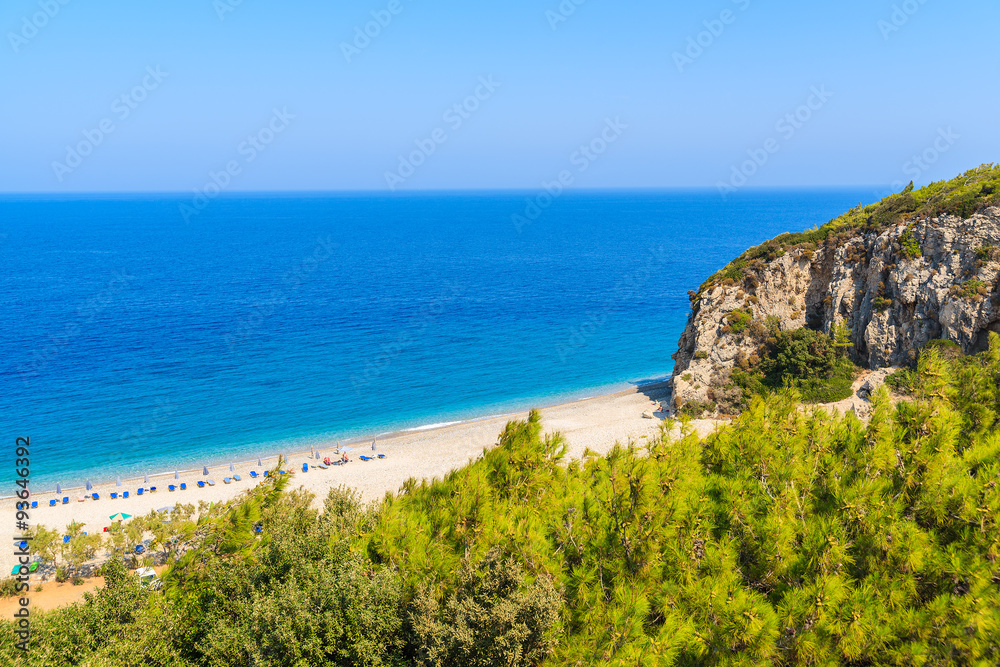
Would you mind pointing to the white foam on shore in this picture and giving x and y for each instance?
(279, 447)
(431, 427)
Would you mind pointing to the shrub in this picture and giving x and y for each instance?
(8, 587)
(701, 355)
(987, 253)
(909, 246)
(811, 361)
(881, 304)
(739, 320)
(970, 289)
(493, 617)
(61, 574)
(902, 381)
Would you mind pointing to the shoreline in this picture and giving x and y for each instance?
(594, 423)
(213, 463)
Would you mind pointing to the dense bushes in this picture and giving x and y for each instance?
(790, 537)
(811, 361)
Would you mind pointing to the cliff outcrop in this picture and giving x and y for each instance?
(888, 289)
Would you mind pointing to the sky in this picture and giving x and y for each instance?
(403, 95)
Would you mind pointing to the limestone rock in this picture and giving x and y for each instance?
(892, 304)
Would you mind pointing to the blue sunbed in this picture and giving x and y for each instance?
(305, 467)
(34, 504)
(201, 484)
(184, 486)
(253, 474)
(114, 494)
(381, 456)
(65, 500)
(95, 496)
(237, 478)
(171, 487)
(152, 489)
(52, 503)
(125, 494)
(139, 491)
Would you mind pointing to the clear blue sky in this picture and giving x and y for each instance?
(892, 92)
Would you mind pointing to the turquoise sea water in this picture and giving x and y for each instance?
(136, 342)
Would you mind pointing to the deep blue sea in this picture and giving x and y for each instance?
(133, 341)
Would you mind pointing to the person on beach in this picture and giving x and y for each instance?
(343, 457)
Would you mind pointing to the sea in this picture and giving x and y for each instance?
(138, 336)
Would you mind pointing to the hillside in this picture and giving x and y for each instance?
(881, 282)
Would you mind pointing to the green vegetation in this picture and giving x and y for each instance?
(987, 253)
(970, 289)
(738, 321)
(909, 246)
(811, 361)
(963, 196)
(790, 537)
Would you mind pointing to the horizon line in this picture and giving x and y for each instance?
(427, 191)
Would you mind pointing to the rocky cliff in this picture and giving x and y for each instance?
(894, 288)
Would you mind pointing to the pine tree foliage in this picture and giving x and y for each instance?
(790, 537)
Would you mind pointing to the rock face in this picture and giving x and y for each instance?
(895, 291)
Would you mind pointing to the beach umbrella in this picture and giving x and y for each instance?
(232, 468)
(120, 516)
(373, 444)
(145, 478)
(164, 509)
(204, 471)
(89, 485)
(58, 487)
(177, 475)
(259, 462)
(119, 481)
(347, 449)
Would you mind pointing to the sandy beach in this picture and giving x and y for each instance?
(594, 423)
